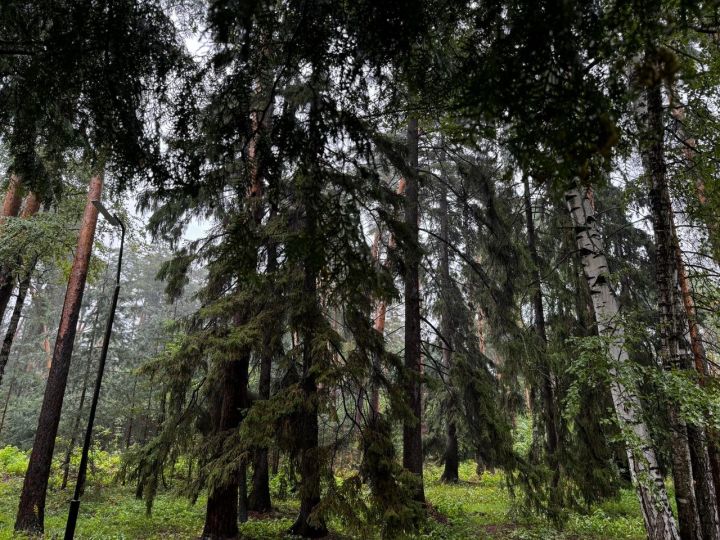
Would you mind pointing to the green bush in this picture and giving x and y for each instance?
(522, 435)
(13, 461)
(103, 467)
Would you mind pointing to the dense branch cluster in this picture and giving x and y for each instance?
(389, 233)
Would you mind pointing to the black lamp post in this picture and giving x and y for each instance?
(75, 502)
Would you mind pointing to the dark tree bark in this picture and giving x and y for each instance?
(309, 438)
(451, 458)
(259, 499)
(381, 313)
(32, 205)
(31, 510)
(692, 470)
(412, 429)
(309, 322)
(131, 419)
(14, 322)
(227, 499)
(7, 402)
(546, 387)
(221, 516)
(696, 343)
(242, 494)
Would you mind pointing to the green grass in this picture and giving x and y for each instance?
(481, 507)
(476, 507)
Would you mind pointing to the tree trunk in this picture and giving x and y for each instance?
(650, 486)
(221, 515)
(242, 494)
(7, 402)
(412, 428)
(32, 205)
(13, 200)
(694, 486)
(379, 326)
(381, 313)
(131, 414)
(696, 344)
(708, 213)
(447, 329)
(308, 443)
(259, 500)
(10, 208)
(310, 320)
(546, 384)
(14, 321)
(78, 414)
(31, 510)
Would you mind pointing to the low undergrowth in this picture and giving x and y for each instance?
(476, 507)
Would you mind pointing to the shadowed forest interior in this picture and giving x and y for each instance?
(367, 269)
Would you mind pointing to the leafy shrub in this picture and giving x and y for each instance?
(103, 467)
(522, 435)
(13, 461)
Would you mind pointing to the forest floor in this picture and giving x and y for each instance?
(475, 508)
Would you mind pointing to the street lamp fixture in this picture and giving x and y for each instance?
(112, 219)
(75, 502)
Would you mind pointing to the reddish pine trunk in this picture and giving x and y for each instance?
(379, 327)
(32, 205)
(11, 207)
(412, 428)
(12, 201)
(31, 511)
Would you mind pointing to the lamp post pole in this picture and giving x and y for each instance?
(75, 502)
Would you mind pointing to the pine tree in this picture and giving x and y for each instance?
(31, 511)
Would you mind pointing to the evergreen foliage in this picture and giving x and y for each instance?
(557, 216)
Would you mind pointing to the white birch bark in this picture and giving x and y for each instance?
(649, 483)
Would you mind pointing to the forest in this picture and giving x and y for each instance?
(374, 269)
